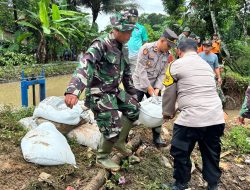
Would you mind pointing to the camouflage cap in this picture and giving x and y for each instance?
(123, 21)
(186, 29)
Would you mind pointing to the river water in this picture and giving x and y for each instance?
(10, 93)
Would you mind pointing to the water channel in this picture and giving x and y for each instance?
(10, 93)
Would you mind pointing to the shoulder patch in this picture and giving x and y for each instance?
(168, 80)
(145, 51)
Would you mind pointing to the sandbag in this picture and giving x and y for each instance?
(151, 112)
(87, 135)
(28, 123)
(54, 109)
(45, 145)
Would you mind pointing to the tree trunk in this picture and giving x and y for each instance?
(15, 14)
(41, 50)
(216, 29)
(244, 24)
(95, 12)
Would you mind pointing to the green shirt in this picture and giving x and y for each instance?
(138, 38)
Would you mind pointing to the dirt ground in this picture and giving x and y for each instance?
(154, 168)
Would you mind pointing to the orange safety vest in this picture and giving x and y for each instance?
(200, 49)
(216, 46)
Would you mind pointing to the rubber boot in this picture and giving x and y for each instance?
(157, 140)
(102, 157)
(121, 145)
(175, 186)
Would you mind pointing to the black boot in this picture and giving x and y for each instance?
(212, 187)
(175, 186)
(157, 140)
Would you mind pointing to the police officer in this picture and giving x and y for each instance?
(102, 68)
(190, 81)
(150, 71)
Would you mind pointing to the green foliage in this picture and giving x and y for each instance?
(109, 6)
(152, 35)
(13, 59)
(12, 73)
(10, 129)
(153, 186)
(241, 57)
(236, 139)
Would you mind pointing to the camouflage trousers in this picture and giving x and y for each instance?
(106, 107)
(220, 93)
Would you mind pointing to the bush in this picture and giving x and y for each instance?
(237, 139)
(241, 58)
(14, 59)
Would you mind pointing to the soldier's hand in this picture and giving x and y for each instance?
(156, 91)
(166, 118)
(220, 81)
(70, 100)
(151, 91)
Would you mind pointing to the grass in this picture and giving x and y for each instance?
(236, 139)
(10, 129)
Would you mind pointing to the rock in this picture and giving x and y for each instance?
(247, 160)
(134, 159)
(248, 179)
(166, 162)
(240, 165)
(242, 178)
(44, 177)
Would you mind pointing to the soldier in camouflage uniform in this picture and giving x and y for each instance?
(103, 67)
(245, 108)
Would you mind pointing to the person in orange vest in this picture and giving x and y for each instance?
(199, 44)
(216, 43)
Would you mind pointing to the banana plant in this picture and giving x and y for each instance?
(52, 23)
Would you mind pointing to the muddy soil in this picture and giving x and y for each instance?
(149, 173)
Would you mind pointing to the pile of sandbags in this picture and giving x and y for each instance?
(51, 117)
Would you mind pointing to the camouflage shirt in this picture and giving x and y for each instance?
(245, 109)
(103, 67)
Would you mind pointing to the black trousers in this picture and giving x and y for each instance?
(183, 143)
